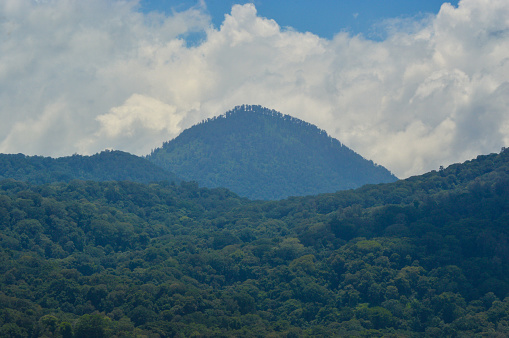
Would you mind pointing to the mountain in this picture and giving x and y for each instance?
(427, 256)
(104, 166)
(262, 154)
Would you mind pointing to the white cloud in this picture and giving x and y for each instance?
(138, 112)
(135, 124)
(81, 76)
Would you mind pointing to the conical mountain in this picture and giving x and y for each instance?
(262, 154)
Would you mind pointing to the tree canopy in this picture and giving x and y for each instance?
(262, 154)
(105, 166)
(426, 256)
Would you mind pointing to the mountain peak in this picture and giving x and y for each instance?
(262, 154)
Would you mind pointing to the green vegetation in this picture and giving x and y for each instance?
(261, 154)
(105, 166)
(426, 256)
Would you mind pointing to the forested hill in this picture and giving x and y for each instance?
(262, 154)
(104, 166)
(423, 257)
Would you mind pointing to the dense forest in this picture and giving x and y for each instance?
(262, 154)
(104, 166)
(425, 256)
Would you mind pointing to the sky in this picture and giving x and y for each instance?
(411, 85)
(324, 18)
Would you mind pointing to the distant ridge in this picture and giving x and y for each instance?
(105, 166)
(262, 154)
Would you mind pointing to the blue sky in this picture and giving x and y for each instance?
(322, 17)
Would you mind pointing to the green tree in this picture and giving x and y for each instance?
(92, 326)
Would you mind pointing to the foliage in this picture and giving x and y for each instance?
(426, 256)
(105, 166)
(262, 154)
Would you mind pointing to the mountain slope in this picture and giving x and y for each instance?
(262, 154)
(425, 256)
(105, 166)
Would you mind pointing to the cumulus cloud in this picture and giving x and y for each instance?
(135, 124)
(81, 76)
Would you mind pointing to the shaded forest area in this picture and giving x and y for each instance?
(105, 166)
(426, 256)
(260, 153)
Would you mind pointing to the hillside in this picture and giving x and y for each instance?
(261, 154)
(425, 256)
(105, 166)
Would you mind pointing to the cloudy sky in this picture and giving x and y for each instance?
(410, 87)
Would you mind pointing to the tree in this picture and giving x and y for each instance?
(91, 326)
